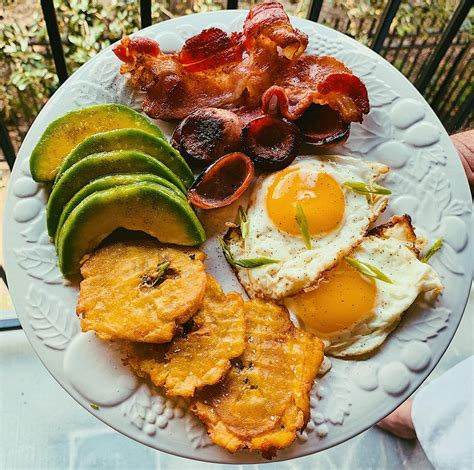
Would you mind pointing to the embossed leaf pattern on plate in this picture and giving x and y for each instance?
(374, 130)
(40, 262)
(359, 63)
(149, 411)
(331, 398)
(435, 154)
(429, 201)
(105, 69)
(458, 207)
(420, 164)
(440, 188)
(380, 93)
(35, 229)
(52, 322)
(426, 324)
(85, 93)
(196, 432)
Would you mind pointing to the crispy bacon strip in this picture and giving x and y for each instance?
(263, 66)
(129, 48)
(318, 80)
(172, 91)
(211, 48)
(270, 22)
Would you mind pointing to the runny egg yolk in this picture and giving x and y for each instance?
(319, 195)
(343, 298)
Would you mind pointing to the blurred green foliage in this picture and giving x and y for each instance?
(27, 70)
(411, 16)
(420, 17)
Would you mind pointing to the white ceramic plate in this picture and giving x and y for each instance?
(427, 182)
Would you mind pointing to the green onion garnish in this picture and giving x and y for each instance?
(244, 222)
(365, 188)
(244, 263)
(160, 270)
(303, 225)
(254, 262)
(432, 250)
(368, 270)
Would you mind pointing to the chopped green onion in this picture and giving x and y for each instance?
(377, 189)
(432, 250)
(160, 270)
(303, 225)
(368, 270)
(254, 262)
(365, 188)
(244, 263)
(94, 406)
(244, 222)
(226, 251)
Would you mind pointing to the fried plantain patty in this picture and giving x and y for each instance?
(264, 398)
(202, 356)
(140, 290)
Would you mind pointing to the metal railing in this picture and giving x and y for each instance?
(429, 71)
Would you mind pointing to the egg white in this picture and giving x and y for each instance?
(394, 251)
(299, 267)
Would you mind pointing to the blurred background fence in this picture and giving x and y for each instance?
(28, 78)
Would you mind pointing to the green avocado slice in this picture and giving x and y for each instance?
(63, 134)
(131, 139)
(95, 166)
(111, 181)
(144, 206)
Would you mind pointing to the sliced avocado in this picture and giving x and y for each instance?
(144, 206)
(111, 181)
(62, 135)
(95, 166)
(131, 139)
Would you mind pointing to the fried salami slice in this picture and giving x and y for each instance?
(140, 290)
(264, 398)
(223, 182)
(322, 126)
(202, 356)
(207, 134)
(271, 142)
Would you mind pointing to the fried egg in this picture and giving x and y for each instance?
(353, 314)
(337, 219)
